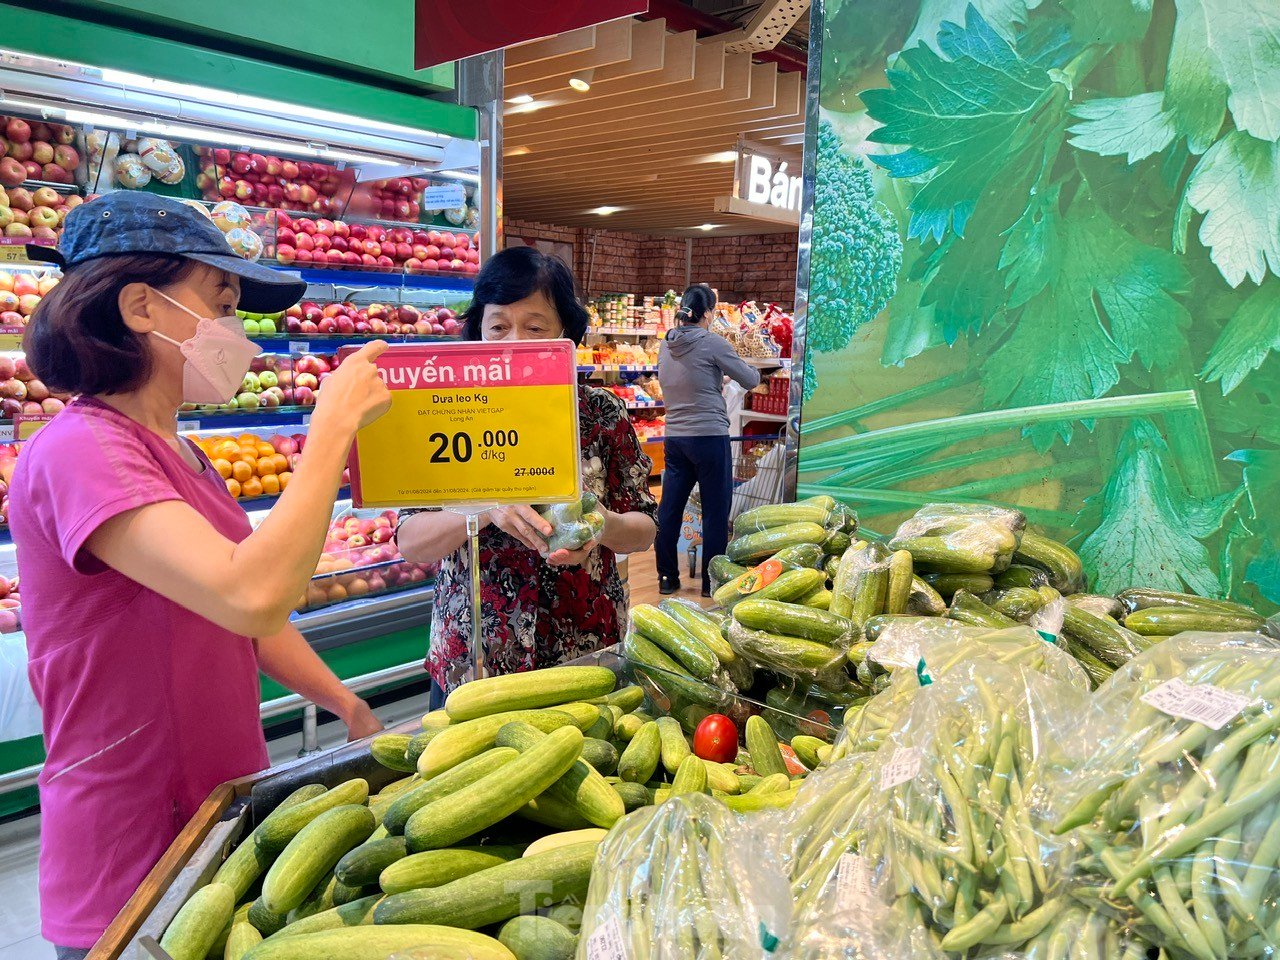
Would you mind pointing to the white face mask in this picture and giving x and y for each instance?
(217, 356)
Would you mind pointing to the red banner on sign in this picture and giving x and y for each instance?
(444, 31)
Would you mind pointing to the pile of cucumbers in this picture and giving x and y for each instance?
(484, 846)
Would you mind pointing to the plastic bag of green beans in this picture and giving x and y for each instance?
(1176, 810)
(953, 831)
(688, 880)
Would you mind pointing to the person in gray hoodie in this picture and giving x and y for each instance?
(693, 363)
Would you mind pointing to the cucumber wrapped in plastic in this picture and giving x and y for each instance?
(574, 524)
(961, 538)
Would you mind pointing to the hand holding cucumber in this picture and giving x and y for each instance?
(523, 523)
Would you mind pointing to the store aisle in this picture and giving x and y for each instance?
(20, 843)
(642, 576)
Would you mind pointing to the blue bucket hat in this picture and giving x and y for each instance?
(132, 222)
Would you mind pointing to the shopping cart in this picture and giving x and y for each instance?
(758, 467)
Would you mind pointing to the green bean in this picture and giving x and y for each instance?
(1188, 930)
(1205, 912)
(984, 923)
(1029, 926)
(931, 845)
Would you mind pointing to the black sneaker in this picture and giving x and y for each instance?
(706, 591)
(668, 586)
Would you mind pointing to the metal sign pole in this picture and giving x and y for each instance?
(477, 627)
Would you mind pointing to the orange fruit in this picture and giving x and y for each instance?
(266, 466)
(225, 449)
(265, 450)
(223, 467)
(248, 438)
(270, 484)
(284, 479)
(252, 487)
(233, 488)
(241, 471)
(281, 462)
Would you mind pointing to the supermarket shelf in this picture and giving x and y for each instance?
(645, 405)
(748, 415)
(298, 343)
(360, 279)
(616, 368)
(365, 618)
(278, 417)
(629, 331)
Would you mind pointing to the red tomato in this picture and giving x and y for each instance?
(716, 739)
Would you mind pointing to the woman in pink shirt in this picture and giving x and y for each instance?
(150, 604)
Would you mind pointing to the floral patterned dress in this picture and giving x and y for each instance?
(536, 615)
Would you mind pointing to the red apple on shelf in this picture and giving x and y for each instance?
(34, 170)
(241, 163)
(285, 254)
(302, 256)
(63, 133)
(41, 152)
(17, 130)
(51, 405)
(221, 155)
(20, 151)
(309, 327)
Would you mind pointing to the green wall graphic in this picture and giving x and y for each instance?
(1045, 271)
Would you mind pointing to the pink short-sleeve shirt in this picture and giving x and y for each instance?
(147, 706)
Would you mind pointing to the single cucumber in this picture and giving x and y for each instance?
(701, 627)
(762, 744)
(344, 894)
(436, 720)
(634, 795)
(317, 901)
(562, 839)
(721, 570)
(626, 728)
(528, 691)
(641, 757)
(601, 754)
(266, 921)
(1018, 603)
(774, 783)
(948, 584)
(779, 515)
(819, 599)
(379, 943)
(791, 620)
(389, 749)
(625, 699)
(966, 608)
(602, 729)
(496, 894)
(354, 913)
(581, 786)
(199, 923)
(247, 862)
(418, 744)
(901, 576)
(314, 852)
(665, 632)
(243, 936)
(1021, 575)
(691, 777)
(720, 776)
(538, 938)
(1095, 669)
(434, 868)
(1139, 598)
(1166, 621)
(556, 814)
(284, 823)
(844, 582)
(806, 749)
(452, 780)
(365, 863)
(473, 737)
(444, 822)
(759, 546)
(674, 746)
(1060, 562)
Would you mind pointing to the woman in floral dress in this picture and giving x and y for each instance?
(536, 612)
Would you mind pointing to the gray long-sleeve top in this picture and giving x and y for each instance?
(692, 364)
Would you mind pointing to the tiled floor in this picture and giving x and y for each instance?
(20, 840)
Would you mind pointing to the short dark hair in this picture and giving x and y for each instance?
(77, 342)
(514, 274)
(695, 303)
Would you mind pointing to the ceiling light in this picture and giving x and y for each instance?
(521, 98)
(519, 151)
(581, 81)
(605, 211)
(724, 156)
(706, 226)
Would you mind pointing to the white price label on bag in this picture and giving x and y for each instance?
(606, 943)
(1202, 702)
(902, 766)
(853, 882)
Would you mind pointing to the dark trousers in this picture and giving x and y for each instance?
(706, 462)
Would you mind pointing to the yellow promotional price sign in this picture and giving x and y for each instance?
(492, 424)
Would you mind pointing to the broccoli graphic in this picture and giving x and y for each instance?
(856, 252)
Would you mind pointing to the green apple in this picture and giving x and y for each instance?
(266, 325)
(251, 327)
(251, 383)
(268, 379)
(247, 401)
